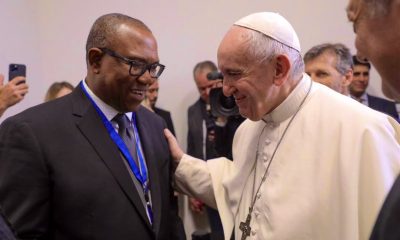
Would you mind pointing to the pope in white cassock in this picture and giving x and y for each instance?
(308, 163)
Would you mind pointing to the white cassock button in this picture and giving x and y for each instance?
(253, 232)
(267, 141)
(258, 195)
(257, 214)
(265, 157)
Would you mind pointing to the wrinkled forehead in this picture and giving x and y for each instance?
(235, 38)
(235, 45)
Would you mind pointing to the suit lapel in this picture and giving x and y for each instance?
(93, 129)
(144, 128)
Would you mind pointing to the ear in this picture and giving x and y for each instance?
(94, 59)
(282, 68)
(347, 78)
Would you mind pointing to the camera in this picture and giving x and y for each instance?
(220, 104)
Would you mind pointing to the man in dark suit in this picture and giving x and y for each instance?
(359, 86)
(93, 164)
(151, 100)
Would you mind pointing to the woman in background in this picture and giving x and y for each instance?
(58, 89)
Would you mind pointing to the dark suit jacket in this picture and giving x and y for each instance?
(195, 130)
(62, 177)
(5, 231)
(167, 118)
(387, 226)
(383, 105)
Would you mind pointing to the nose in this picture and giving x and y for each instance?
(146, 79)
(228, 89)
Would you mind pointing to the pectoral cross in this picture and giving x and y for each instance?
(245, 226)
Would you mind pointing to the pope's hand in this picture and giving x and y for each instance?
(174, 148)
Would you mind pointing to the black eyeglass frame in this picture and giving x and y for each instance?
(145, 67)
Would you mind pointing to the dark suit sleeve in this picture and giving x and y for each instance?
(170, 125)
(24, 190)
(190, 137)
(5, 231)
(387, 225)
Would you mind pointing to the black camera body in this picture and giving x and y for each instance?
(220, 104)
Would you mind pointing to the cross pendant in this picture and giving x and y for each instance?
(245, 227)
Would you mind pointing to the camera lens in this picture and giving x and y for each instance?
(227, 102)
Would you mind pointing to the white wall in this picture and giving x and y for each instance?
(49, 37)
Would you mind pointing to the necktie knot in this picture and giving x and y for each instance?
(123, 122)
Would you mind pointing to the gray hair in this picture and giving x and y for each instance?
(204, 65)
(263, 47)
(343, 56)
(104, 30)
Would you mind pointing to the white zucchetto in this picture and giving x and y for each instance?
(272, 25)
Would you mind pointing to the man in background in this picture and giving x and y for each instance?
(375, 23)
(201, 135)
(150, 102)
(330, 65)
(358, 87)
(11, 93)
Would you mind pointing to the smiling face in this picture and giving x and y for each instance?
(111, 79)
(360, 80)
(245, 77)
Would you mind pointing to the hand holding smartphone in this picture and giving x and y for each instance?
(16, 70)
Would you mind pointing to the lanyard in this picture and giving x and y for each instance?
(141, 175)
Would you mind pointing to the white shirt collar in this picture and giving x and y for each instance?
(107, 110)
(289, 106)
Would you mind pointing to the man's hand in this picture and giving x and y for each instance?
(174, 148)
(196, 205)
(12, 92)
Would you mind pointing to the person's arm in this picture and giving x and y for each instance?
(24, 181)
(12, 92)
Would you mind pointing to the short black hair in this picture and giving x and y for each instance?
(103, 32)
(364, 62)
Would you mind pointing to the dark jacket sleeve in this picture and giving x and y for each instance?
(24, 179)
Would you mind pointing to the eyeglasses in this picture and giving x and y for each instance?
(137, 68)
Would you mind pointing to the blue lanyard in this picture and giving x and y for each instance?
(141, 175)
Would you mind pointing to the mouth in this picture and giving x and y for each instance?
(239, 99)
(138, 92)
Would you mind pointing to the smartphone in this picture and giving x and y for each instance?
(16, 70)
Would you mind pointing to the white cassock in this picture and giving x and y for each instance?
(328, 179)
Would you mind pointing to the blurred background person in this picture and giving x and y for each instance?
(201, 136)
(210, 133)
(330, 65)
(358, 87)
(11, 93)
(150, 102)
(58, 89)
